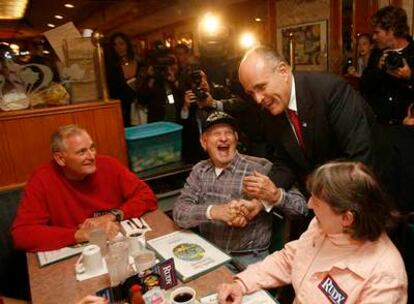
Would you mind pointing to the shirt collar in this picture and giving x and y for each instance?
(230, 167)
(292, 102)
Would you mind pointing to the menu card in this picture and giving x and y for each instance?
(52, 256)
(258, 297)
(192, 254)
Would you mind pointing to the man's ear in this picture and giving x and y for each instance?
(59, 159)
(283, 69)
(347, 219)
(237, 136)
(203, 142)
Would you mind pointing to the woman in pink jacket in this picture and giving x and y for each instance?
(345, 256)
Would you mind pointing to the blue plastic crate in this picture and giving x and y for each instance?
(154, 144)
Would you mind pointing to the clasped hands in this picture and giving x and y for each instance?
(236, 213)
(105, 222)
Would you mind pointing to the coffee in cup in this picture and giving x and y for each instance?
(183, 295)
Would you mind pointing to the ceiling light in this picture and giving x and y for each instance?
(51, 25)
(58, 16)
(258, 19)
(69, 5)
(12, 9)
(210, 24)
(247, 40)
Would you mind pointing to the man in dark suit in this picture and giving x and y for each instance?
(313, 117)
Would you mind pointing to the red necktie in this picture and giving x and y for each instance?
(294, 119)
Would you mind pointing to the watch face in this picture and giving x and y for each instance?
(117, 213)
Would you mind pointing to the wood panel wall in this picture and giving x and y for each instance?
(25, 136)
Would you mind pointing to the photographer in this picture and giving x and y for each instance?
(388, 81)
(159, 92)
(198, 104)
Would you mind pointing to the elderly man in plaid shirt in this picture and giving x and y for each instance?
(214, 197)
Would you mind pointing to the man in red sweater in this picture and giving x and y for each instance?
(63, 197)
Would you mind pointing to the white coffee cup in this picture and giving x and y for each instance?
(136, 243)
(90, 261)
(183, 295)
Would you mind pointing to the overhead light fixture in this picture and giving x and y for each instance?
(12, 9)
(258, 19)
(69, 5)
(59, 17)
(247, 40)
(210, 24)
(51, 25)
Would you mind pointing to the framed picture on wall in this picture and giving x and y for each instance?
(310, 44)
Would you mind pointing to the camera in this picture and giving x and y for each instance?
(196, 79)
(394, 60)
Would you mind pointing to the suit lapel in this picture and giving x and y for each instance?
(291, 144)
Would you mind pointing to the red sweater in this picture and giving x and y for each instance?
(52, 206)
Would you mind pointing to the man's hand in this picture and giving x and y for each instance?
(260, 186)
(403, 72)
(229, 213)
(111, 230)
(207, 102)
(97, 221)
(93, 300)
(229, 293)
(250, 208)
(189, 98)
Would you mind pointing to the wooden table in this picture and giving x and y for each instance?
(56, 283)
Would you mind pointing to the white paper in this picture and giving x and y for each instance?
(258, 297)
(58, 34)
(192, 254)
(48, 257)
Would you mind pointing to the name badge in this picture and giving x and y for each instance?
(332, 291)
(170, 98)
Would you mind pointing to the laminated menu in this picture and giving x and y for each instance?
(258, 297)
(52, 256)
(193, 255)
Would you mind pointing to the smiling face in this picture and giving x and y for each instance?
(220, 142)
(268, 83)
(77, 159)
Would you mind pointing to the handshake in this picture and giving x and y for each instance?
(236, 213)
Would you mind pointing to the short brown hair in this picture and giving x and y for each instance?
(63, 132)
(392, 17)
(351, 186)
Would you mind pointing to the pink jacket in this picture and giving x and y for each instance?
(333, 269)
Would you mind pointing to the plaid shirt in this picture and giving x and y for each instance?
(204, 188)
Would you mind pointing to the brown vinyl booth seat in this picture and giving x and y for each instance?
(14, 280)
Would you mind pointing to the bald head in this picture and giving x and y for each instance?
(266, 76)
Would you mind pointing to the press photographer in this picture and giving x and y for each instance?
(198, 104)
(388, 81)
(159, 91)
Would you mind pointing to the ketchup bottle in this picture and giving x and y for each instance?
(135, 295)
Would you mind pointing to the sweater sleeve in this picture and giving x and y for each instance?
(138, 197)
(31, 230)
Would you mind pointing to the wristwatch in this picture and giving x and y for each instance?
(117, 213)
